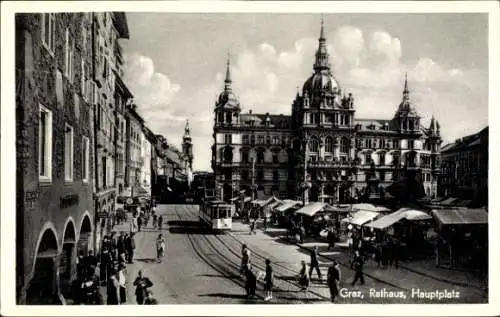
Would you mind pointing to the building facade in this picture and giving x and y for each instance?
(464, 169)
(108, 28)
(146, 161)
(55, 218)
(321, 150)
(122, 97)
(133, 147)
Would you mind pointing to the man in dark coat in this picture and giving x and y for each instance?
(333, 280)
(120, 245)
(139, 222)
(130, 245)
(315, 263)
(357, 266)
(251, 282)
(142, 284)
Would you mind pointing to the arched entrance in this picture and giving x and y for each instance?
(228, 191)
(42, 288)
(84, 238)
(66, 269)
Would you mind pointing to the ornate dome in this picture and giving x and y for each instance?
(320, 81)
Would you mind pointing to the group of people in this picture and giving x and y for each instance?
(251, 275)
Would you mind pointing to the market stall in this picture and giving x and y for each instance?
(284, 211)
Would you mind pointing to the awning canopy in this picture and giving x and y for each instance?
(312, 208)
(286, 204)
(403, 213)
(234, 199)
(460, 216)
(264, 202)
(369, 207)
(273, 204)
(362, 217)
(247, 199)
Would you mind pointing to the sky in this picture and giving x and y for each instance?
(175, 66)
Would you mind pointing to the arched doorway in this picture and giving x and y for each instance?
(85, 235)
(42, 288)
(66, 269)
(228, 192)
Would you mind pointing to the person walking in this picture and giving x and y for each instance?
(130, 245)
(333, 280)
(357, 266)
(331, 237)
(155, 218)
(113, 289)
(141, 284)
(250, 282)
(304, 277)
(245, 259)
(122, 282)
(160, 222)
(315, 263)
(252, 226)
(269, 281)
(120, 245)
(139, 222)
(160, 248)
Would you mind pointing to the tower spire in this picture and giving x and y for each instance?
(322, 62)
(186, 128)
(228, 81)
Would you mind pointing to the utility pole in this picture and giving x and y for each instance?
(305, 197)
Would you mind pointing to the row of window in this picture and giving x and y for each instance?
(328, 118)
(314, 145)
(45, 150)
(261, 139)
(259, 175)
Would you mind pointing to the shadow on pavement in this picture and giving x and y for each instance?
(219, 275)
(146, 260)
(184, 223)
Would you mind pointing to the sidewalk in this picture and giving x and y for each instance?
(274, 242)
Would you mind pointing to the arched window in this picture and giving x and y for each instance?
(313, 145)
(328, 144)
(344, 146)
(260, 156)
(244, 156)
(229, 117)
(228, 155)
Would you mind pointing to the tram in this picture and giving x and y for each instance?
(217, 215)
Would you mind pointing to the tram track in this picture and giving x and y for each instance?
(295, 287)
(262, 255)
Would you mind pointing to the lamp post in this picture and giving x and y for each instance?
(306, 184)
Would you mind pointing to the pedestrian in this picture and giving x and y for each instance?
(269, 281)
(331, 238)
(160, 221)
(252, 226)
(139, 222)
(265, 222)
(106, 261)
(302, 233)
(150, 300)
(130, 244)
(122, 282)
(377, 256)
(91, 259)
(80, 265)
(315, 263)
(113, 240)
(245, 259)
(113, 289)
(155, 218)
(251, 282)
(141, 284)
(160, 248)
(357, 266)
(333, 280)
(304, 277)
(120, 245)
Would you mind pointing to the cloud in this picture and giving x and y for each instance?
(370, 65)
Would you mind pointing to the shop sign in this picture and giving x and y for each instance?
(69, 200)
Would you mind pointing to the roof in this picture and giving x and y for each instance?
(376, 125)
(472, 140)
(460, 216)
(275, 120)
(121, 25)
(362, 217)
(287, 204)
(312, 208)
(403, 213)
(172, 156)
(264, 201)
(369, 207)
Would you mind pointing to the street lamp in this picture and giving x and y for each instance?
(306, 184)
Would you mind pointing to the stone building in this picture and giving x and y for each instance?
(321, 146)
(108, 28)
(464, 169)
(133, 147)
(55, 168)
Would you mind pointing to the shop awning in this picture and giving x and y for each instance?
(362, 217)
(247, 199)
(460, 216)
(264, 201)
(273, 204)
(404, 213)
(311, 209)
(369, 207)
(286, 204)
(234, 199)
